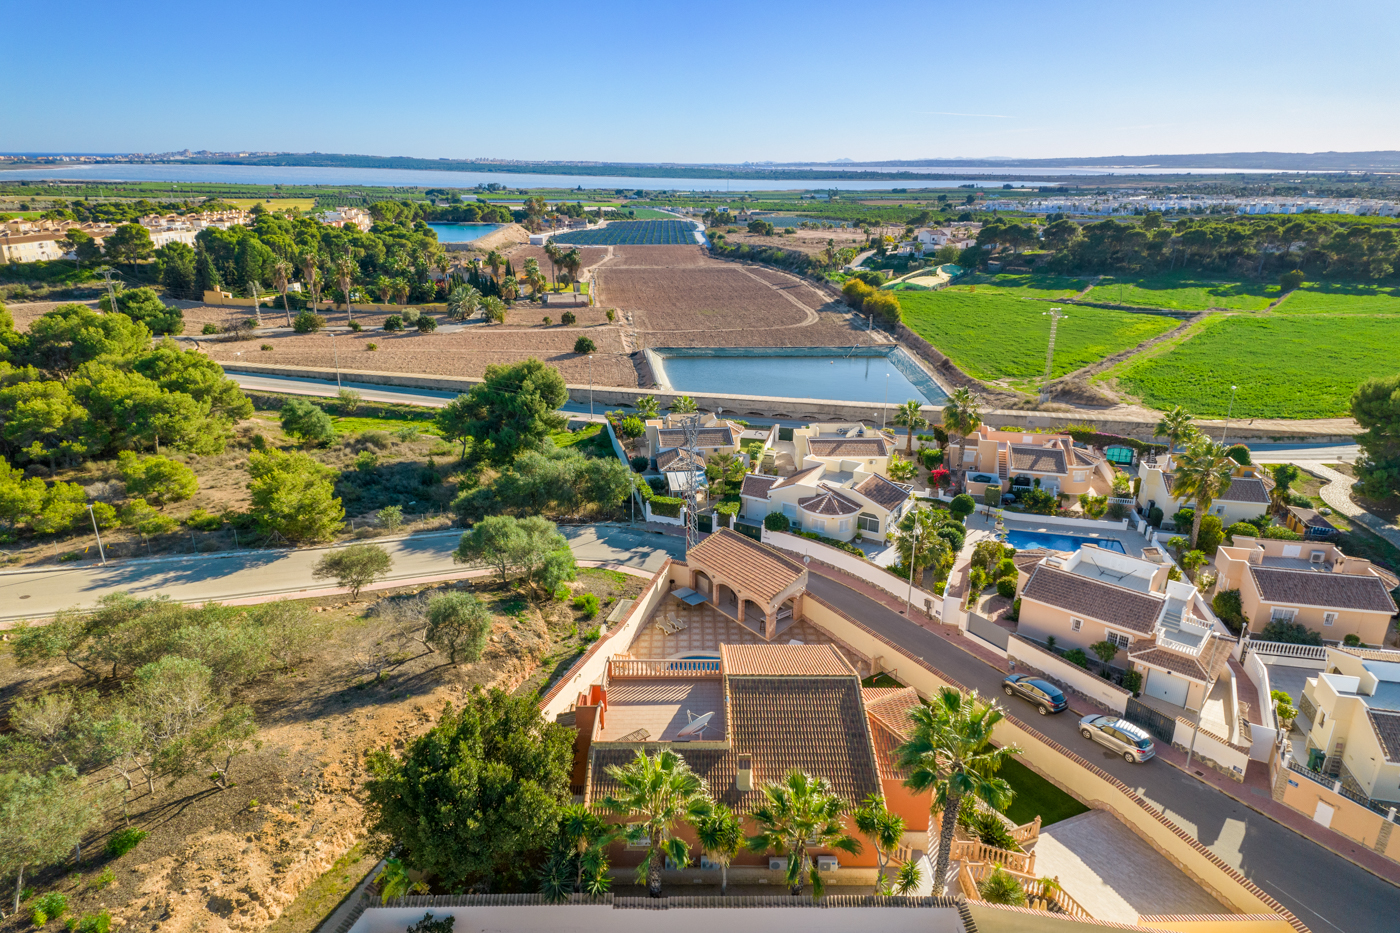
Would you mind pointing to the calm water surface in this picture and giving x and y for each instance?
(461, 233)
(857, 379)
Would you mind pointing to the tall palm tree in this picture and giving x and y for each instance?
(884, 829)
(798, 814)
(510, 288)
(346, 271)
(442, 262)
(254, 288)
(494, 260)
(311, 275)
(494, 309)
(962, 415)
(657, 792)
(949, 753)
(281, 278)
(553, 253)
(572, 261)
(684, 405)
(909, 416)
(586, 835)
(1176, 426)
(1203, 472)
(400, 289)
(721, 836)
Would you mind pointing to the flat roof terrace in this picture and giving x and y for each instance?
(656, 710)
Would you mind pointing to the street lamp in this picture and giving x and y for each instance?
(913, 559)
(101, 553)
(335, 348)
(1228, 412)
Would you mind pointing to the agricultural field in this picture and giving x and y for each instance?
(1318, 298)
(999, 337)
(633, 232)
(1183, 292)
(1285, 367)
(274, 204)
(589, 255)
(809, 242)
(1020, 286)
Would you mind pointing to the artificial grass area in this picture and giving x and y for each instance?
(1036, 796)
(880, 680)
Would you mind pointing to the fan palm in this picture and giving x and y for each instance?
(400, 290)
(311, 275)
(910, 416)
(346, 271)
(1176, 426)
(462, 302)
(510, 288)
(585, 834)
(494, 260)
(798, 814)
(647, 407)
(281, 277)
(949, 753)
(553, 253)
(721, 836)
(1203, 472)
(657, 792)
(684, 405)
(884, 829)
(494, 309)
(962, 415)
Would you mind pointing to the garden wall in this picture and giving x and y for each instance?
(1349, 818)
(1229, 759)
(1068, 770)
(1029, 658)
(1088, 524)
(998, 918)
(923, 601)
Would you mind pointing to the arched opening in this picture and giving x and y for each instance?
(703, 584)
(787, 611)
(726, 601)
(755, 616)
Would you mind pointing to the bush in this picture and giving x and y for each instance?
(1280, 533)
(1289, 633)
(1241, 528)
(356, 327)
(201, 520)
(1352, 640)
(354, 567)
(265, 347)
(856, 292)
(1154, 517)
(377, 439)
(584, 345)
(1239, 453)
(307, 421)
(883, 305)
(1077, 656)
(208, 329)
(587, 604)
(94, 923)
(366, 460)
(124, 841)
(308, 322)
(50, 906)
(1039, 501)
(1132, 682)
(1015, 614)
(1006, 586)
(668, 506)
(1230, 608)
(426, 324)
(776, 521)
(1211, 536)
(390, 518)
(568, 319)
(992, 495)
(962, 506)
(612, 315)
(639, 464)
(371, 347)
(393, 322)
(1291, 280)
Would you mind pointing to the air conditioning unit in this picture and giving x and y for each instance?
(777, 864)
(1317, 557)
(827, 863)
(708, 865)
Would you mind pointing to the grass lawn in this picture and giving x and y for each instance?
(1183, 292)
(880, 680)
(1021, 286)
(1316, 297)
(354, 425)
(1285, 367)
(1036, 796)
(274, 204)
(996, 336)
(591, 441)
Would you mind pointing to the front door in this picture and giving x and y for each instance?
(1323, 815)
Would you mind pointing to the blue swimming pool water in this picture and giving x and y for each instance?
(883, 376)
(1021, 540)
(462, 233)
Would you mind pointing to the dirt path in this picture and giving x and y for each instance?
(811, 317)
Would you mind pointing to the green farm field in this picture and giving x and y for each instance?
(1182, 292)
(1285, 366)
(1020, 286)
(1317, 298)
(993, 336)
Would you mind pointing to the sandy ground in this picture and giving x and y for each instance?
(803, 241)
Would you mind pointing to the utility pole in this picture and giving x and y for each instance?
(1056, 315)
(335, 349)
(106, 272)
(100, 553)
(691, 424)
(590, 385)
(913, 560)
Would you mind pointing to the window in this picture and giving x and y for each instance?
(1280, 614)
(1119, 639)
(868, 522)
(844, 526)
(1079, 476)
(1075, 624)
(1328, 618)
(817, 524)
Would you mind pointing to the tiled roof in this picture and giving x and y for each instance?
(1203, 669)
(800, 477)
(1363, 592)
(848, 446)
(828, 501)
(1026, 560)
(783, 661)
(1103, 601)
(756, 486)
(704, 437)
(884, 493)
(1245, 489)
(755, 569)
(679, 460)
(1037, 459)
(886, 742)
(1085, 457)
(892, 704)
(1387, 725)
(1311, 517)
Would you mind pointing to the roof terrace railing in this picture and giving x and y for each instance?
(664, 667)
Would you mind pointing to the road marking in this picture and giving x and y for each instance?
(1319, 916)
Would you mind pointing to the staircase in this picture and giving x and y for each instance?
(1004, 466)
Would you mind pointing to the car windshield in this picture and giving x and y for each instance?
(1048, 689)
(1141, 742)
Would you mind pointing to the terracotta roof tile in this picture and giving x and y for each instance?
(885, 493)
(828, 501)
(864, 447)
(757, 569)
(1026, 560)
(891, 704)
(1386, 724)
(1105, 602)
(783, 660)
(1363, 592)
(756, 486)
(887, 743)
(1037, 459)
(678, 460)
(704, 437)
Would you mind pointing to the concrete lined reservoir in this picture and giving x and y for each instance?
(842, 374)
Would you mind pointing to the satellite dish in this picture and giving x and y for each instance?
(697, 726)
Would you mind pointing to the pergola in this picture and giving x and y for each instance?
(737, 572)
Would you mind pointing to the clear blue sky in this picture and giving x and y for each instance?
(688, 82)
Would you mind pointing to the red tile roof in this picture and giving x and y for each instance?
(1105, 602)
(1037, 459)
(756, 486)
(784, 661)
(885, 493)
(756, 569)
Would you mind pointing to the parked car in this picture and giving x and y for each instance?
(1119, 735)
(1047, 697)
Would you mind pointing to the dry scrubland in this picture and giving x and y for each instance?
(233, 860)
(809, 242)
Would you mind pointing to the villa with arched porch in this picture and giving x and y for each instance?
(753, 584)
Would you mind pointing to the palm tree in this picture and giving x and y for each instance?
(721, 836)
(311, 275)
(798, 814)
(532, 268)
(254, 287)
(962, 415)
(442, 262)
(394, 881)
(658, 791)
(510, 288)
(647, 407)
(281, 275)
(553, 253)
(684, 405)
(494, 260)
(573, 262)
(1203, 472)
(400, 289)
(909, 416)
(1000, 887)
(587, 834)
(346, 271)
(494, 309)
(1176, 426)
(884, 829)
(462, 302)
(949, 753)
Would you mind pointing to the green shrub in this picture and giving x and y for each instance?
(1230, 608)
(308, 322)
(1352, 640)
(639, 463)
(776, 521)
(1289, 633)
(371, 347)
(1077, 656)
(669, 506)
(568, 319)
(1006, 586)
(587, 604)
(51, 905)
(991, 495)
(1154, 517)
(1015, 614)
(94, 923)
(356, 327)
(426, 324)
(393, 322)
(201, 520)
(584, 345)
(1239, 453)
(124, 841)
(1211, 536)
(1241, 528)
(209, 329)
(1291, 280)
(1280, 533)
(306, 420)
(962, 506)
(265, 347)
(1132, 682)
(366, 460)
(1006, 567)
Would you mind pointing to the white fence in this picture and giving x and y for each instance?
(1231, 760)
(1313, 657)
(1062, 672)
(1089, 524)
(856, 567)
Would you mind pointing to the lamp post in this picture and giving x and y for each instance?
(1056, 315)
(101, 553)
(335, 349)
(1228, 412)
(913, 559)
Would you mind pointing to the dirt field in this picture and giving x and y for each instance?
(803, 241)
(234, 860)
(591, 256)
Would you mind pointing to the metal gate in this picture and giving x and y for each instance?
(1160, 725)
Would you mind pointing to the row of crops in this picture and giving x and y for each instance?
(635, 233)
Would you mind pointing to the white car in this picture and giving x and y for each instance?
(1120, 735)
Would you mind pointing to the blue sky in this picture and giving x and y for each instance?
(723, 81)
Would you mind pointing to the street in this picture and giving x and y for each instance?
(1324, 890)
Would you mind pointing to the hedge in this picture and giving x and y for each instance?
(1087, 434)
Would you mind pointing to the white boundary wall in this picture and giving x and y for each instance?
(1264, 737)
(1066, 674)
(856, 567)
(1217, 750)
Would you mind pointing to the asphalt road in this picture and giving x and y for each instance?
(1324, 890)
(242, 574)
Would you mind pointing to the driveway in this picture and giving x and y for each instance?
(1324, 890)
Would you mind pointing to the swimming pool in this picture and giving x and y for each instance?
(1022, 540)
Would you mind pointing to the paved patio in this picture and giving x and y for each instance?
(1114, 874)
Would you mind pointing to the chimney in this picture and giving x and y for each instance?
(743, 776)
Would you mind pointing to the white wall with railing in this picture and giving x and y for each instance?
(856, 567)
(1313, 657)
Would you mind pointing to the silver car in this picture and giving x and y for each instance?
(1119, 735)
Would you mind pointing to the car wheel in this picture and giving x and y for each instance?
(1008, 691)
(1044, 710)
(1086, 733)
(1128, 757)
